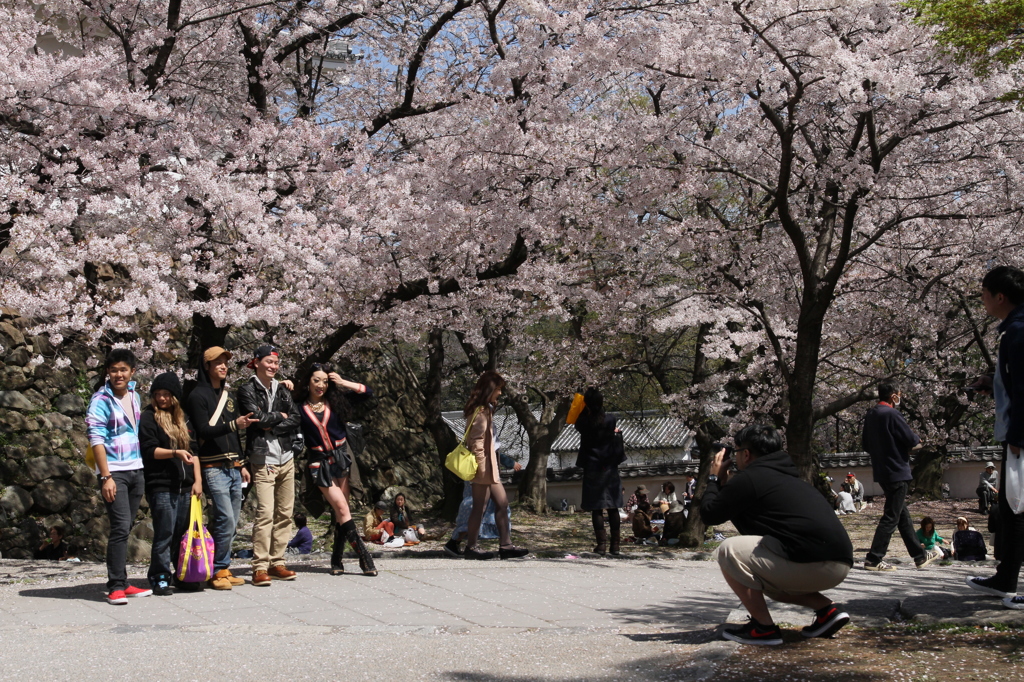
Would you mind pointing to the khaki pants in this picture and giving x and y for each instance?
(274, 487)
(756, 562)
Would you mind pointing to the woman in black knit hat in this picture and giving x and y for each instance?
(172, 477)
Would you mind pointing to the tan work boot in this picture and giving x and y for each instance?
(221, 580)
(235, 582)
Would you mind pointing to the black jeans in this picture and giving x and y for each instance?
(895, 517)
(1009, 536)
(170, 511)
(121, 512)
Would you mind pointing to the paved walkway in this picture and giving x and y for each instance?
(422, 619)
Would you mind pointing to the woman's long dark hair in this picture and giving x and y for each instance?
(333, 396)
(594, 402)
(489, 382)
(405, 510)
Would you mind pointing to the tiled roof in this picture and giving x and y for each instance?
(664, 470)
(842, 460)
(641, 432)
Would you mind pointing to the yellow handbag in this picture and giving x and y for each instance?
(461, 461)
(575, 409)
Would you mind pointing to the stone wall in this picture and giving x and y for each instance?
(43, 477)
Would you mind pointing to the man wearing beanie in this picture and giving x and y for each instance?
(211, 409)
(271, 443)
(172, 477)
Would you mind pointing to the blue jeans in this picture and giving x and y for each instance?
(121, 512)
(223, 486)
(170, 517)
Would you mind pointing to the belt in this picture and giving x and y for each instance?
(223, 465)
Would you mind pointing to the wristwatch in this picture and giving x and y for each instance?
(713, 479)
(104, 479)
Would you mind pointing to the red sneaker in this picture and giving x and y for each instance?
(117, 597)
(136, 592)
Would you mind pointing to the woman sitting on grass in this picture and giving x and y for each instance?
(929, 539)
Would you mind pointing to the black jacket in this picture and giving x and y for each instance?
(163, 475)
(252, 398)
(219, 442)
(1011, 370)
(888, 439)
(768, 498)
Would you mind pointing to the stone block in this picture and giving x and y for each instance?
(19, 357)
(15, 452)
(14, 378)
(84, 477)
(139, 551)
(11, 473)
(39, 400)
(10, 336)
(69, 404)
(80, 441)
(41, 344)
(55, 421)
(42, 468)
(53, 496)
(97, 530)
(16, 501)
(36, 444)
(11, 421)
(143, 530)
(16, 400)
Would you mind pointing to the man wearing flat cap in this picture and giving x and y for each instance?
(211, 409)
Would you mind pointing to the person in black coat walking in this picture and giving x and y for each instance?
(600, 454)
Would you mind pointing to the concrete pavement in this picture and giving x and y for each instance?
(423, 619)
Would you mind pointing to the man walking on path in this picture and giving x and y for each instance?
(1002, 292)
(211, 409)
(792, 545)
(270, 447)
(889, 440)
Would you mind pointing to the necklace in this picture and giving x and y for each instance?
(316, 407)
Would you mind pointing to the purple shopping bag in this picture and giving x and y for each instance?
(195, 561)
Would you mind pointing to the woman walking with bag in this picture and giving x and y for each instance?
(324, 409)
(172, 478)
(599, 456)
(479, 411)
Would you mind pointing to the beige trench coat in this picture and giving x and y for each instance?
(481, 444)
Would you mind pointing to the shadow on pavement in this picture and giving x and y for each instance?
(682, 610)
(89, 592)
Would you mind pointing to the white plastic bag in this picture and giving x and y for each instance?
(1014, 481)
(409, 534)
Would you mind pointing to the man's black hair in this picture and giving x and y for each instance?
(760, 439)
(300, 520)
(886, 390)
(671, 486)
(1005, 280)
(121, 355)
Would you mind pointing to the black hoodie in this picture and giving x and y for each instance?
(217, 443)
(768, 498)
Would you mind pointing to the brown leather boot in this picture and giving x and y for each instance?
(602, 537)
(280, 572)
(615, 541)
(261, 579)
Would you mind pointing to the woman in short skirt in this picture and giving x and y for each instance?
(324, 399)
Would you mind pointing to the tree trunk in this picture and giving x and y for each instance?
(542, 433)
(927, 473)
(693, 529)
(444, 438)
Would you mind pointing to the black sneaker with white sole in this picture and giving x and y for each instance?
(827, 622)
(986, 586)
(453, 549)
(755, 633)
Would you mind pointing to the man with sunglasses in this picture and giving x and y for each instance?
(271, 443)
(889, 439)
(791, 547)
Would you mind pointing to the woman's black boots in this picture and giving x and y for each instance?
(365, 560)
(337, 568)
(600, 533)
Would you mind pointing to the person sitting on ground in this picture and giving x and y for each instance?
(929, 539)
(666, 500)
(634, 501)
(402, 519)
(791, 546)
(53, 548)
(302, 543)
(968, 544)
(856, 490)
(844, 501)
(376, 528)
(642, 528)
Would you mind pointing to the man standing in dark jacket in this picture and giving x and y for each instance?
(888, 439)
(791, 548)
(211, 410)
(1002, 292)
(270, 446)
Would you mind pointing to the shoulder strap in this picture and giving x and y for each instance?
(220, 406)
(469, 425)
